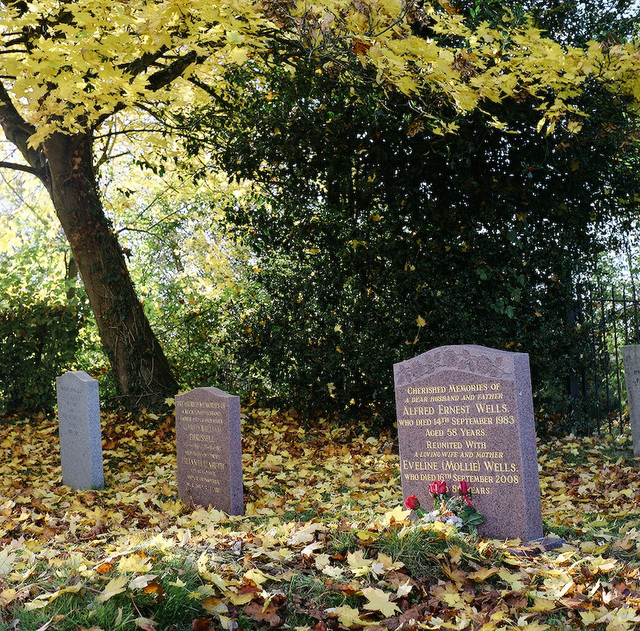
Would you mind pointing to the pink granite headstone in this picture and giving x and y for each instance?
(209, 449)
(466, 413)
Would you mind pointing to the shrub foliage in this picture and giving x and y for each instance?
(376, 239)
(38, 341)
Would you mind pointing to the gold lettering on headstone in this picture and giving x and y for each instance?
(203, 423)
(468, 424)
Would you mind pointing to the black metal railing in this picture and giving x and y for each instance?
(609, 317)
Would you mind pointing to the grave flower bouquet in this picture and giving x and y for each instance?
(457, 511)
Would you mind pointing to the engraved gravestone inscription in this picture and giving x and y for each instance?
(209, 449)
(466, 413)
(79, 429)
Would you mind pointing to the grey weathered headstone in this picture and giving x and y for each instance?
(631, 361)
(79, 428)
(466, 413)
(209, 449)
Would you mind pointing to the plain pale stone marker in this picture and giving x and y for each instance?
(79, 428)
(209, 449)
(631, 361)
(466, 413)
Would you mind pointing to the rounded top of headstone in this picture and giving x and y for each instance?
(203, 393)
(80, 375)
(478, 360)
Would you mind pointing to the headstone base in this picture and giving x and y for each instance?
(536, 547)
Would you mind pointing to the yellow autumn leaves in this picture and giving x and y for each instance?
(102, 56)
(324, 520)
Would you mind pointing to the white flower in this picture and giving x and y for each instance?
(430, 517)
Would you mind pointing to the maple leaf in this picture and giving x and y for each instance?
(483, 573)
(114, 587)
(240, 598)
(263, 613)
(104, 568)
(40, 602)
(333, 571)
(455, 554)
(514, 580)
(135, 563)
(397, 516)
(379, 601)
(543, 604)
(627, 543)
(447, 593)
(305, 534)
(321, 561)
(358, 564)
(214, 605)
(600, 564)
(8, 558)
(140, 582)
(387, 563)
(348, 616)
(257, 577)
(597, 590)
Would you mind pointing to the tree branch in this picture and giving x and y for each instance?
(158, 79)
(18, 132)
(138, 66)
(19, 167)
(167, 74)
(171, 72)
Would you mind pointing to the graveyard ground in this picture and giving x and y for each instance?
(323, 545)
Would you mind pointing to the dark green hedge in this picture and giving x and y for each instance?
(38, 342)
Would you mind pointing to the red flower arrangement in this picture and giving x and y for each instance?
(455, 511)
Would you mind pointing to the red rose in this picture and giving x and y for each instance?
(464, 487)
(412, 502)
(442, 487)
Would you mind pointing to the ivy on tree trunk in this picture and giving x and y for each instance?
(64, 164)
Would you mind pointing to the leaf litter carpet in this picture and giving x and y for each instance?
(324, 542)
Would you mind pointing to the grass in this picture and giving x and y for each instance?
(302, 556)
(167, 597)
(417, 549)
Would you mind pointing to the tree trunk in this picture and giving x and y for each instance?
(64, 164)
(136, 357)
